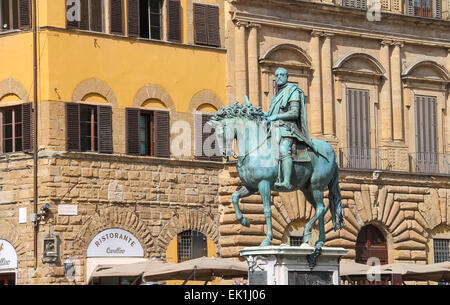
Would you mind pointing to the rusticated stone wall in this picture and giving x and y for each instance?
(154, 199)
(406, 208)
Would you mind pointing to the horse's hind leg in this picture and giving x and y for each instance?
(310, 198)
(241, 192)
(317, 198)
(264, 190)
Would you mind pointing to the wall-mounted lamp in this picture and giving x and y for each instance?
(45, 209)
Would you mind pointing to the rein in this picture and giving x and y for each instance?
(252, 151)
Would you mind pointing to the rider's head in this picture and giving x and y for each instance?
(281, 76)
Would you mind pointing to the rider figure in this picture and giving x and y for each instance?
(288, 109)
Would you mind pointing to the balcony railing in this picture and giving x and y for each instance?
(429, 163)
(392, 160)
(363, 158)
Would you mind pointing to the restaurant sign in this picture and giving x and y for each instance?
(8, 256)
(113, 243)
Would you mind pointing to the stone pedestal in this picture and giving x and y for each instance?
(286, 265)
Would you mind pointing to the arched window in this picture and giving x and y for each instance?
(371, 243)
(191, 244)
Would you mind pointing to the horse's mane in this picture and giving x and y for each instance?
(245, 110)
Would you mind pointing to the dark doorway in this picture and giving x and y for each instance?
(371, 243)
(7, 279)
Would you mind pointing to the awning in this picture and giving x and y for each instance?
(200, 269)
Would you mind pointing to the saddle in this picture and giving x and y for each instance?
(301, 152)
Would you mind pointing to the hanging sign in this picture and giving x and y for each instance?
(8, 256)
(113, 243)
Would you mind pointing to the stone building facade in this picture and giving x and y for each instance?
(330, 49)
(135, 184)
(344, 59)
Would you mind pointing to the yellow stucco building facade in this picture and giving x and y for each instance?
(115, 81)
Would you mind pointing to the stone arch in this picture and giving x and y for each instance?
(360, 63)
(287, 54)
(9, 233)
(189, 220)
(153, 91)
(12, 86)
(427, 70)
(112, 217)
(204, 97)
(94, 86)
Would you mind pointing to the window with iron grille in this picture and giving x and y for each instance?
(295, 241)
(191, 244)
(441, 250)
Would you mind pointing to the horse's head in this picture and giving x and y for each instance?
(225, 134)
(235, 120)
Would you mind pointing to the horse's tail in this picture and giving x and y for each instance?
(334, 191)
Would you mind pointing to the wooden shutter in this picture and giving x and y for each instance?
(25, 14)
(132, 130)
(72, 24)
(410, 7)
(116, 17)
(358, 128)
(199, 245)
(105, 139)
(201, 134)
(437, 9)
(174, 20)
(27, 130)
(198, 130)
(162, 134)
(200, 25)
(209, 152)
(426, 134)
(133, 18)
(213, 25)
(73, 127)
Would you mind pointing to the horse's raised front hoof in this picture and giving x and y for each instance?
(265, 243)
(245, 222)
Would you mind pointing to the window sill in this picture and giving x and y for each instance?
(13, 32)
(134, 39)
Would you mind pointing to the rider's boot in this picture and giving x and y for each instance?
(286, 165)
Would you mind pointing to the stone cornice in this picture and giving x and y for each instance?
(129, 159)
(318, 27)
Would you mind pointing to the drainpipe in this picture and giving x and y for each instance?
(35, 128)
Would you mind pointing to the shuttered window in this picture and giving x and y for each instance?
(206, 25)
(174, 20)
(15, 14)
(358, 129)
(148, 133)
(426, 134)
(116, 17)
(89, 15)
(15, 131)
(191, 245)
(205, 141)
(145, 18)
(89, 128)
(423, 8)
(361, 4)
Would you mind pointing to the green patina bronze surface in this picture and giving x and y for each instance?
(265, 161)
